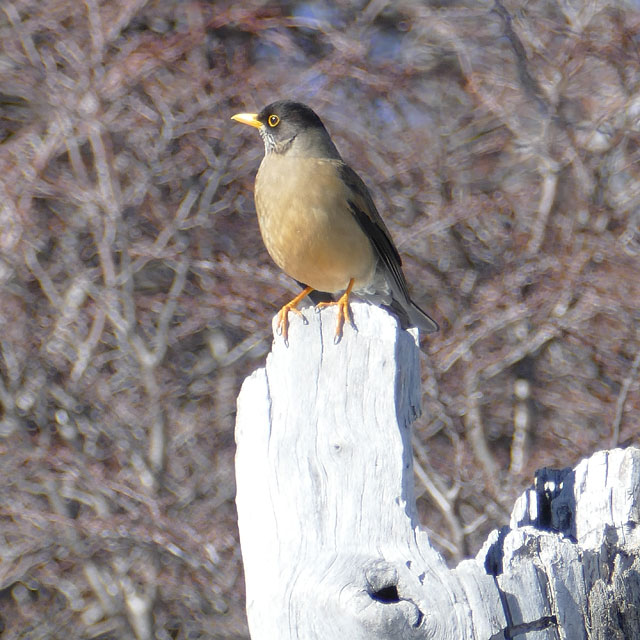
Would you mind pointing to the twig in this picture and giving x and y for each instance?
(475, 430)
(547, 197)
(622, 398)
(442, 500)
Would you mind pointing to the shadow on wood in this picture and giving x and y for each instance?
(328, 528)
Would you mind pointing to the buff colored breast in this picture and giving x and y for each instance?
(307, 226)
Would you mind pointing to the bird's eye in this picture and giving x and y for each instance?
(273, 120)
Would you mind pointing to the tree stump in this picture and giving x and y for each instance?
(328, 527)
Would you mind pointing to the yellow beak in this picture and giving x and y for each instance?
(248, 118)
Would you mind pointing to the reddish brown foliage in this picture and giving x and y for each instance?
(501, 145)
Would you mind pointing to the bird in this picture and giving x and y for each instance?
(319, 223)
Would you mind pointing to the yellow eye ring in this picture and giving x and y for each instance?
(273, 120)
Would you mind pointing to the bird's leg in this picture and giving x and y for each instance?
(344, 312)
(282, 320)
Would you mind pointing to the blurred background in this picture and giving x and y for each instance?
(500, 142)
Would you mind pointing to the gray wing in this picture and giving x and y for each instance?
(367, 216)
(365, 212)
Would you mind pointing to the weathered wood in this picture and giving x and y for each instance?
(327, 519)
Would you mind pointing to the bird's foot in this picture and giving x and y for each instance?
(282, 319)
(344, 312)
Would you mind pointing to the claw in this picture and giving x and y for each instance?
(344, 312)
(282, 319)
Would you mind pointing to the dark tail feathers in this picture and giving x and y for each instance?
(411, 315)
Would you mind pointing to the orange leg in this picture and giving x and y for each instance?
(282, 322)
(344, 313)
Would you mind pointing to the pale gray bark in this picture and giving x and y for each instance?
(328, 527)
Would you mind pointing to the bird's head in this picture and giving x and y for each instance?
(291, 128)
